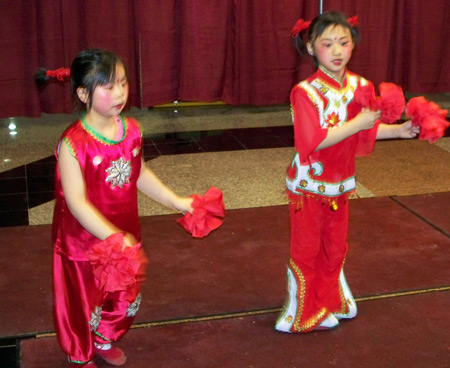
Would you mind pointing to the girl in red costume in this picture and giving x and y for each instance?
(99, 170)
(330, 130)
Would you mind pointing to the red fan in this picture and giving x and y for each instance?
(429, 117)
(391, 101)
(207, 215)
(117, 267)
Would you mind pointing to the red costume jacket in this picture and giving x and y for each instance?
(317, 104)
(110, 171)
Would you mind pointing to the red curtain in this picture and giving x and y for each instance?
(236, 51)
(50, 33)
(405, 42)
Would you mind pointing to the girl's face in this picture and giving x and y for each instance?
(110, 99)
(333, 49)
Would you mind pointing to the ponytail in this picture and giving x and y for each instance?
(43, 75)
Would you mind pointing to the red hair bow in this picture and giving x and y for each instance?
(302, 24)
(353, 21)
(59, 74)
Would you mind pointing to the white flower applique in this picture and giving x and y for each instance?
(119, 172)
(96, 316)
(134, 307)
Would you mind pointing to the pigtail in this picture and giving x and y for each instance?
(299, 45)
(41, 77)
(298, 28)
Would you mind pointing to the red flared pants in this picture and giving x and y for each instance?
(83, 313)
(318, 249)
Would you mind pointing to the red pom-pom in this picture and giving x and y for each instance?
(391, 102)
(207, 215)
(429, 117)
(117, 267)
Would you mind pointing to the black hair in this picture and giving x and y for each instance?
(92, 68)
(322, 22)
(41, 77)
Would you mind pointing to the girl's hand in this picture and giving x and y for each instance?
(183, 204)
(407, 130)
(129, 240)
(367, 118)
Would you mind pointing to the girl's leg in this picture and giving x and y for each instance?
(303, 310)
(119, 310)
(77, 307)
(331, 260)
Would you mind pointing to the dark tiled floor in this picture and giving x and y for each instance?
(31, 185)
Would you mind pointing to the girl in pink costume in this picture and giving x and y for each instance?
(99, 170)
(330, 130)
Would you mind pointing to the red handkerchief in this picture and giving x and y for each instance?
(429, 117)
(365, 96)
(117, 268)
(208, 213)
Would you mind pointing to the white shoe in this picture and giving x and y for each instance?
(352, 309)
(328, 323)
(287, 316)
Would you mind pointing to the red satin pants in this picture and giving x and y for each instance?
(83, 313)
(318, 249)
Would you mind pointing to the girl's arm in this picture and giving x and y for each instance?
(81, 208)
(364, 120)
(152, 186)
(405, 130)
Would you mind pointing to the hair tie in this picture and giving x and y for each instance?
(353, 21)
(302, 24)
(59, 74)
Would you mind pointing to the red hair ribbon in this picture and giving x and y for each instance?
(59, 74)
(302, 24)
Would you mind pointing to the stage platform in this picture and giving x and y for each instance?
(213, 302)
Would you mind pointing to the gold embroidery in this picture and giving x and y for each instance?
(300, 293)
(314, 320)
(344, 307)
(312, 96)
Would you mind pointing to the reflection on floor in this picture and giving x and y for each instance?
(243, 150)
